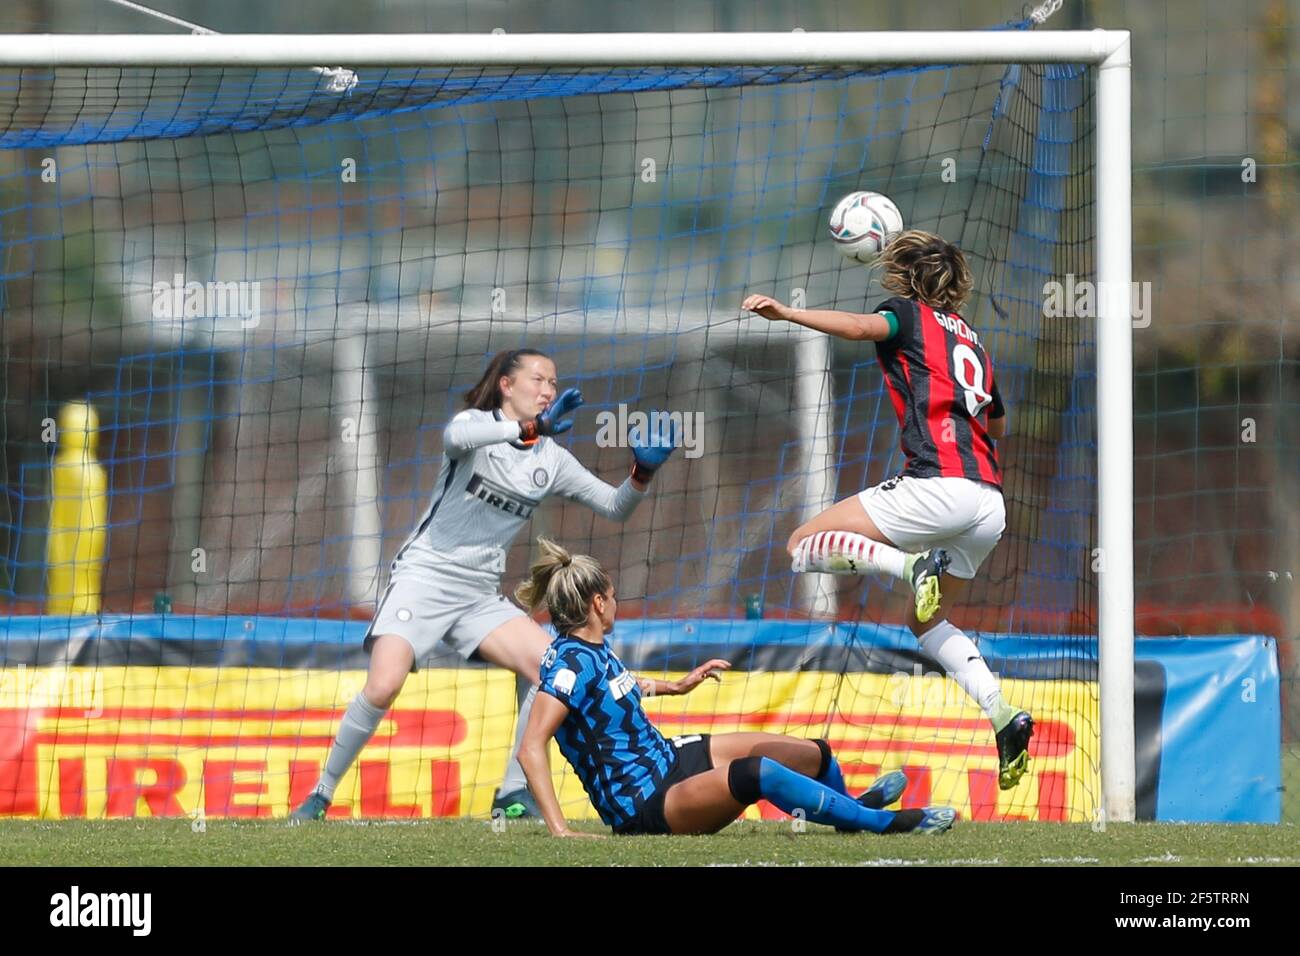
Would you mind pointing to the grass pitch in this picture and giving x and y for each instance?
(474, 843)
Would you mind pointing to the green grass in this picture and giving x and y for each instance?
(473, 843)
(1291, 784)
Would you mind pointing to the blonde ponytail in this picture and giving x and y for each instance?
(565, 582)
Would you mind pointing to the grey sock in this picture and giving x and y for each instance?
(359, 724)
(515, 779)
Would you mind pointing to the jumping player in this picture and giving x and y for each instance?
(935, 523)
(641, 783)
(498, 465)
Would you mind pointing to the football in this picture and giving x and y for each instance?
(863, 222)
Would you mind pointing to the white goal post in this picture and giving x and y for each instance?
(1106, 50)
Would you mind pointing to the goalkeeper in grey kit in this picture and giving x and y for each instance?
(499, 464)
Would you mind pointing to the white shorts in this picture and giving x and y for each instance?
(964, 517)
(424, 610)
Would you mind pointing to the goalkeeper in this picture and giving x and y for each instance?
(499, 463)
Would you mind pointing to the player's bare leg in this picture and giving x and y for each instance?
(701, 804)
(803, 756)
(391, 660)
(846, 515)
(518, 645)
(844, 540)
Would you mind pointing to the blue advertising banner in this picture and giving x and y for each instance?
(1208, 709)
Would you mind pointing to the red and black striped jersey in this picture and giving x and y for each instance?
(941, 383)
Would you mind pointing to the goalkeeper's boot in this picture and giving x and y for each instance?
(882, 793)
(925, 572)
(312, 809)
(516, 805)
(924, 822)
(1013, 749)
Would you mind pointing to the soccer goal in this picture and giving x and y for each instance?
(271, 265)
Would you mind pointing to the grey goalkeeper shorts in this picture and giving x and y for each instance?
(423, 610)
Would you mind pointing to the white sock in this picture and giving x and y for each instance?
(960, 658)
(515, 779)
(360, 721)
(847, 552)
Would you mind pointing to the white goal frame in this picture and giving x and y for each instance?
(1106, 50)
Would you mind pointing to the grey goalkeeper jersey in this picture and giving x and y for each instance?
(489, 485)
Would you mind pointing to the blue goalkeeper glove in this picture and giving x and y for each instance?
(652, 450)
(552, 421)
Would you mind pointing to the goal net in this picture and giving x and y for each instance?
(265, 290)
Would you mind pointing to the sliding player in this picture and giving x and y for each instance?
(934, 524)
(498, 465)
(641, 783)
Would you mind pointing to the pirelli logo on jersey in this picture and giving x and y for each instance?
(622, 685)
(505, 499)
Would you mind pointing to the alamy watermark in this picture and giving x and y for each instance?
(24, 688)
(75, 908)
(1077, 298)
(228, 304)
(914, 691)
(613, 428)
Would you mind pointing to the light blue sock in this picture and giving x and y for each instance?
(833, 777)
(792, 791)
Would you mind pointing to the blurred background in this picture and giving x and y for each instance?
(1216, 115)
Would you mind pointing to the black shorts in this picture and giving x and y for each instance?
(692, 757)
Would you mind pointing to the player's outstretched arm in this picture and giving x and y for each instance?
(535, 757)
(651, 447)
(574, 481)
(853, 326)
(653, 687)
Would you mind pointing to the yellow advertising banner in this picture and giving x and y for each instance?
(249, 742)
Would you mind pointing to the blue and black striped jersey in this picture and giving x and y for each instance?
(616, 752)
